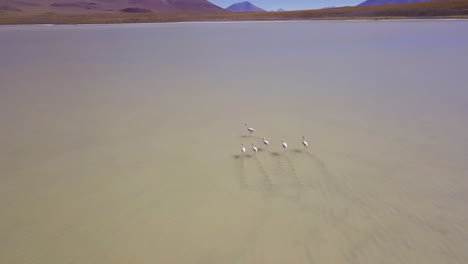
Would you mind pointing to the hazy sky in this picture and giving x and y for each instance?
(290, 4)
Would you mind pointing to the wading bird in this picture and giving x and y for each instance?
(265, 142)
(284, 144)
(251, 130)
(243, 148)
(304, 142)
(254, 148)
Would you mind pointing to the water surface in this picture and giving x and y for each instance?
(121, 143)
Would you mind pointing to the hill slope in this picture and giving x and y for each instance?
(390, 2)
(107, 6)
(244, 7)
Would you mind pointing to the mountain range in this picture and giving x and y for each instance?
(144, 6)
(107, 6)
(244, 7)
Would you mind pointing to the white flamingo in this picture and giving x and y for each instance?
(304, 142)
(265, 142)
(251, 130)
(254, 148)
(284, 144)
(243, 149)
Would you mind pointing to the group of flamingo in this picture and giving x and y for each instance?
(267, 143)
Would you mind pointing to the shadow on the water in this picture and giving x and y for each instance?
(249, 136)
(238, 156)
(275, 154)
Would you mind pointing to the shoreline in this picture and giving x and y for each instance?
(240, 21)
(350, 19)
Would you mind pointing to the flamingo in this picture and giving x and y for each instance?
(243, 149)
(254, 148)
(265, 142)
(284, 144)
(251, 130)
(304, 142)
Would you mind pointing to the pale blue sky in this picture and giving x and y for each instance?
(290, 4)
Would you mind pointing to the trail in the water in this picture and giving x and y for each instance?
(292, 170)
(338, 218)
(242, 179)
(320, 163)
(249, 244)
(242, 168)
(325, 178)
(338, 188)
(289, 186)
(279, 168)
(289, 172)
(319, 185)
(256, 230)
(281, 173)
(335, 185)
(266, 188)
(268, 185)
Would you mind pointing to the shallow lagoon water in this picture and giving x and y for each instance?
(121, 143)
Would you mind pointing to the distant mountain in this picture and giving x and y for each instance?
(389, 2)
(108, 6)
(244, 7)
(280, 10)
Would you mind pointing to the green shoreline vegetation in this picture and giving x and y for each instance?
(435, 9)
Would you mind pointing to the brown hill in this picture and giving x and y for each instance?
(107, 6)
(244, 7)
